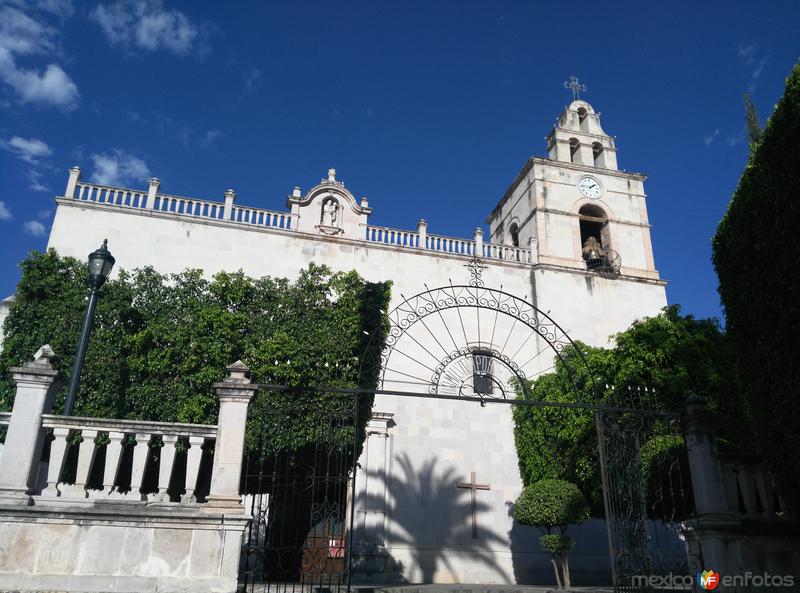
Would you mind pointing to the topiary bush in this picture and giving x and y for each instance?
(553, 505)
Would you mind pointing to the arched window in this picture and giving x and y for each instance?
(513, 232)
(584, 123)
(599, 157)
(594, 223)
(574, 146)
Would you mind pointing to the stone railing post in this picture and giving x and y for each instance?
(234, 394)
(478, 242)
(230, 196)
(422, 232)
(152, 192)
(72, 182)
(37, 382)
(706, 533)
(707, 482)
(533, 245)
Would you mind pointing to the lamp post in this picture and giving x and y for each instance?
(100, 263)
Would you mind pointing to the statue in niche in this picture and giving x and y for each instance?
(330, 212)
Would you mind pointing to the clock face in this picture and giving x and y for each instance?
(590, 187)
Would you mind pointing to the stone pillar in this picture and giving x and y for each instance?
(294, 202)
(533, 245)
(370, 557)
(234, 394)
(37, 383)
(478, 242)
(152, 191)
(701, 447)
(713, 520)
(230, 196)
(422, 232)
(72, 182)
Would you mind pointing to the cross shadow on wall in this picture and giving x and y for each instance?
(427, 513)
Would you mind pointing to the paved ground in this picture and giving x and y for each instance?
(460, 588)
(469, 588)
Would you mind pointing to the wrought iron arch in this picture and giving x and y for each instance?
(451, 342)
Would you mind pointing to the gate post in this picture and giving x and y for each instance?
(37, 382)
(706, 533)
(234, 394)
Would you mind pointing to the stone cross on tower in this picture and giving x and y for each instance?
(576, 86)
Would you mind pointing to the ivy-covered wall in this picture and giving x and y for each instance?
(755, 253)
(160, 342)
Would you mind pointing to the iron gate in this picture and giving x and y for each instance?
(646, 495)
(300, 497)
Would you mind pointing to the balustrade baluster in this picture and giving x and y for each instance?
(165, 465)
(113, 455)
(140, 454)
(86, 456)
(58, 450)
(193, 457)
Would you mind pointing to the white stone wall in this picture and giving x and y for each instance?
(5, 309)
(85, 547)
(425, 521)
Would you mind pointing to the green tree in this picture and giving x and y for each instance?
(552, 506)
(754, 130)
(671, 355)
(755, 253)
(160, 341)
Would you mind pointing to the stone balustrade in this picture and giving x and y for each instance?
(179, 205)
(228, 211)
(448, 245)
(750, 489)
(102, 444)
(390, 236)
(97, 504)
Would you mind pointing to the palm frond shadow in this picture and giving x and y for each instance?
(429, 515)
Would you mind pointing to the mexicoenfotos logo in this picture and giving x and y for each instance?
(708, 579)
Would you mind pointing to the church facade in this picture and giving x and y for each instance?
(570, 236)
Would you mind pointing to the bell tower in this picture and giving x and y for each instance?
(584, 219)
(577, 193)
(579, 138)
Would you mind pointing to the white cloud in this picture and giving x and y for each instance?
(5, 213)
(749, 56)
(747, 53)
(146, 24)
(60, 8)
(27, 35)
(23, 35)
(34, 152)
(29, 150)
(35, 178)
(734, 139)
(252, 79)
(119, 168)
(709, 139)
(210, 137)
(34, 228)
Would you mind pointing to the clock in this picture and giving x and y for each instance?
(590, 187)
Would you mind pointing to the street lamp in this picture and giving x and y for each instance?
(100, 263)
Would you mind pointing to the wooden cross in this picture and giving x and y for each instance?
(474, 487)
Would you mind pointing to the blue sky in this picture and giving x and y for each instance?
(428, 108)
